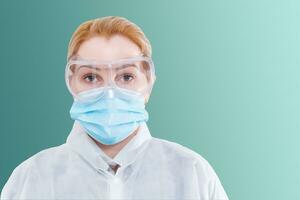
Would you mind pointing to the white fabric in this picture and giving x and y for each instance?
(150, 168)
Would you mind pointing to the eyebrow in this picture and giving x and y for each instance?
(88, 66)
(76, 56)
(115, 68)
(126, 65)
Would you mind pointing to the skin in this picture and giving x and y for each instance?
(116, 47)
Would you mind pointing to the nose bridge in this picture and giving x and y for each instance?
(110, 84)
(110, 75)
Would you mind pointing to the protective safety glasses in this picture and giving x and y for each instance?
(133, 75)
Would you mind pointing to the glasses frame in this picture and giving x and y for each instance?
(80, 61)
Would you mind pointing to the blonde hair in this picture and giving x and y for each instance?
(108, 26)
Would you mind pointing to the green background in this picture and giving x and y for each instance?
(227, 86)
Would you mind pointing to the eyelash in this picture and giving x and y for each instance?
(128, 74)
(97, 77)
(90, 75)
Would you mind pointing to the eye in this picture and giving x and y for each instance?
(127, 77)
(91, 78)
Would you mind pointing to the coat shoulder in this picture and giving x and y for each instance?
(48, 156)
(177, 154)
(26, 177)
(43, 161)
(176, 150)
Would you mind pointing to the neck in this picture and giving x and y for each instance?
(114, 149)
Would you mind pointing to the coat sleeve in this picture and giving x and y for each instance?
(26, 182)
(216, 190)
(209, 183)
(14, 185)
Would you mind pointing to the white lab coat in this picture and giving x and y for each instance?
(150, 168)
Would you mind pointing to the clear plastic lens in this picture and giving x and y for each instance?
(133, 74)
(87, 77)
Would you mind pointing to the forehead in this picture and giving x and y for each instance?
(113, 48)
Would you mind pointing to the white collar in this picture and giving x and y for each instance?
(81, 143)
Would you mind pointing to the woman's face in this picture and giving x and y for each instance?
(102, 49)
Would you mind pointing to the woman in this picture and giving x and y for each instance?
(110, 153)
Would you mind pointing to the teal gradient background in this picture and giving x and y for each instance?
(227, 86)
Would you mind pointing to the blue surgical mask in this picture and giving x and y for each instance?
(111, 116)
